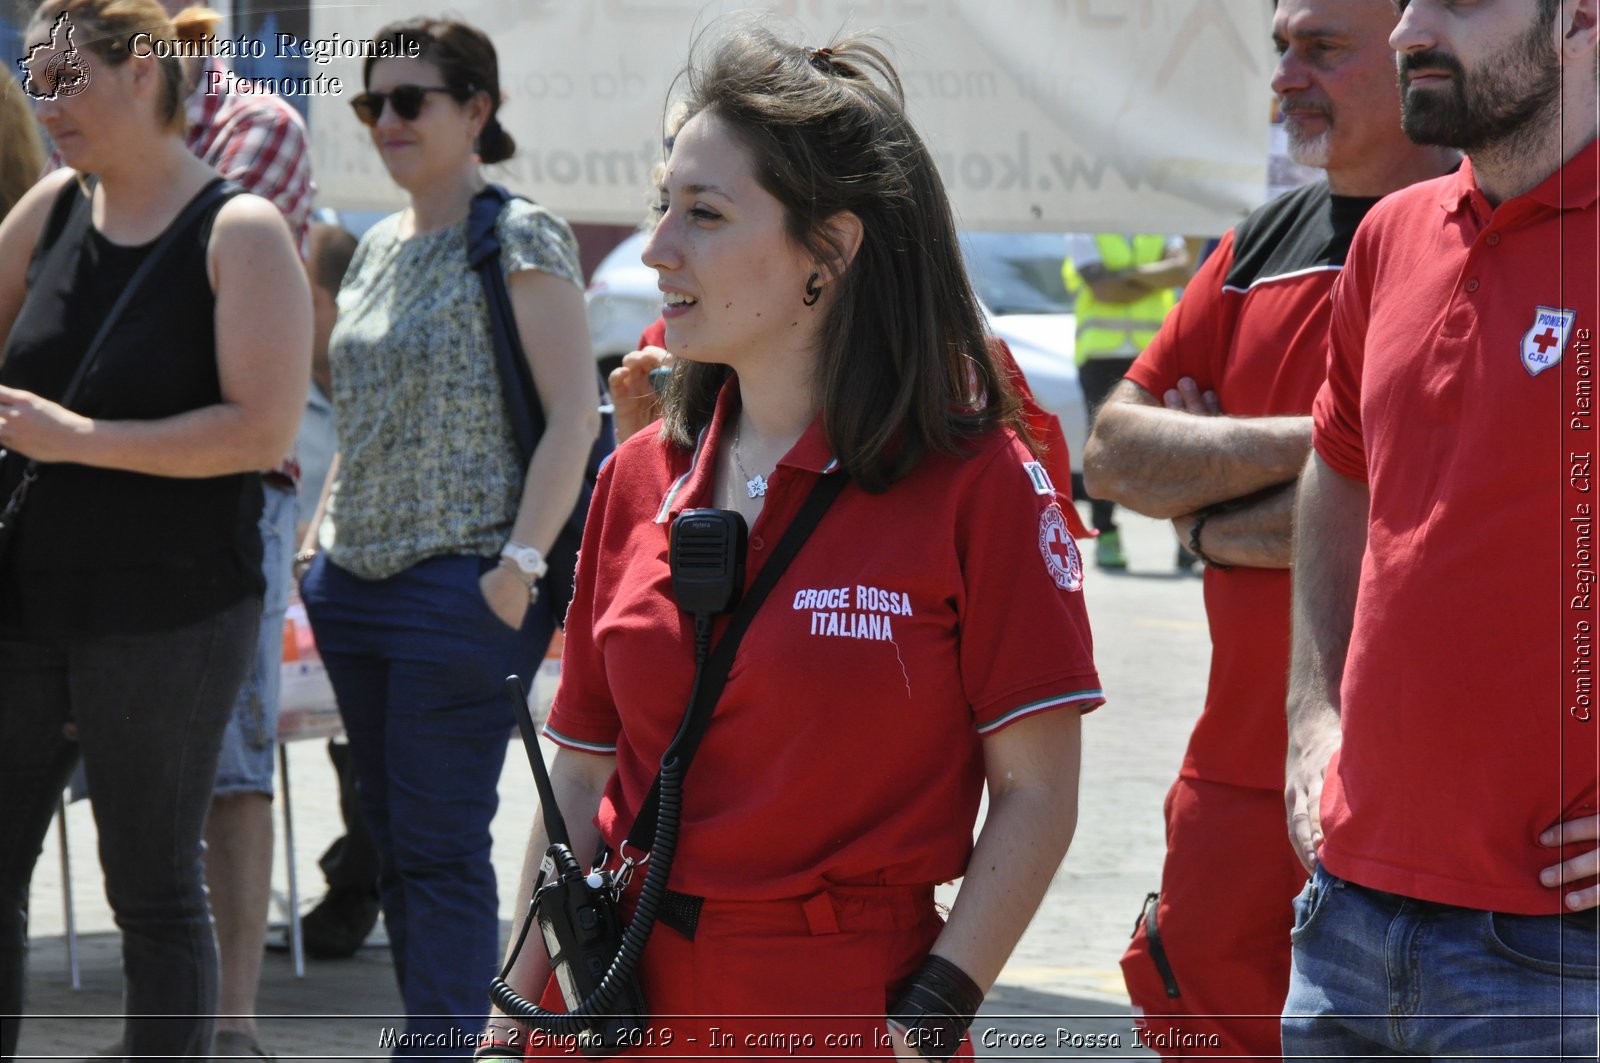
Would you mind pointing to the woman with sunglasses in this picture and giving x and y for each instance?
(131, 586)
(422, 594)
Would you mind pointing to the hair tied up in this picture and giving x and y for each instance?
(494, 143)
(196, 23)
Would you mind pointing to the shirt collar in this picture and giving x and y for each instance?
(1575, 186)
(1456, 190)
(810, 453)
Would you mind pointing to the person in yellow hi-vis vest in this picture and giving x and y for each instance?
(1125, 284)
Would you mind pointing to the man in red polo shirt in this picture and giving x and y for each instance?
(1444, 767)
(1209, 963)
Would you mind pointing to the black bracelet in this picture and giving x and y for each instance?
(498, 1050)
(936, 1008)
(1194, 539)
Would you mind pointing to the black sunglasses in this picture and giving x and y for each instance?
(407, 100)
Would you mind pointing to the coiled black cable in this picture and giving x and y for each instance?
(626, 963)
(631, 951)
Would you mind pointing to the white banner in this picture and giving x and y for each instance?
(1065, 115)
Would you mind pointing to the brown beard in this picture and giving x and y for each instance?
(1494, 105)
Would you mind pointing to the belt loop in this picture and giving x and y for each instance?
(820, 916)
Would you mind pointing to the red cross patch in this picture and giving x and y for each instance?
(1544, 343)
(1060, 553)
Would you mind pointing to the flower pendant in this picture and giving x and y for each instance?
(756, 485)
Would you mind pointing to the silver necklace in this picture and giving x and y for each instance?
(756, 485)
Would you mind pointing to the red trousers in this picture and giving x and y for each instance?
(805, 979)
(1223, 922)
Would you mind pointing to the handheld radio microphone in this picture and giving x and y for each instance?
(707, 559)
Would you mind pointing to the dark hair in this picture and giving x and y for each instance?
(332, 248)
(466, 60)
(106, 27)
(904, 366)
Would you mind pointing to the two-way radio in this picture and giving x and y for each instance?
(594, 958)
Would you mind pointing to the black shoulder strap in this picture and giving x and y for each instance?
(208, 197)
(524, 410)
(715, 677)
(520, 393)
(483, 242)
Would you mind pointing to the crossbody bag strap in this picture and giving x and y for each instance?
(715, 677)
(219, 188)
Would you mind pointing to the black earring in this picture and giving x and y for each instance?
(813, 290)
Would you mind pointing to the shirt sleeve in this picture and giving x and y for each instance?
(654, 335)
(1045, 428)
(1194, 339)
(533, 238)
(265, 149)
(1025, 645)
(1082, 250)
(1336, 413)
(584, 714)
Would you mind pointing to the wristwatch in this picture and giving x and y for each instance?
(529, 561)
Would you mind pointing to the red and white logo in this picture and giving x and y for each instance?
(1061, 558)
(1543, 344)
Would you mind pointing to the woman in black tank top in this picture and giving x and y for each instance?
(130, 585)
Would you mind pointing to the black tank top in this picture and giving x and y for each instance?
(97, 551)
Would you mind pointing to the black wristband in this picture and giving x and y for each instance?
(498, 1050)
(936, 1008)
(1200, 519)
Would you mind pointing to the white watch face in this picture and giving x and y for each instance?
(527, 559)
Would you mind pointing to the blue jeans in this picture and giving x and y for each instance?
(248, 745)
(418, 662)
(149, 710)
(1380, 975)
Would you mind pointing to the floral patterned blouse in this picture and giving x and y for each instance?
(429, 465)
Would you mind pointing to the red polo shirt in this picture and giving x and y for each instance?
(846, 747)
(1253, 327)
(1461, 351)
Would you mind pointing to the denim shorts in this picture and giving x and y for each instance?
(1378, 974)
(251, 740)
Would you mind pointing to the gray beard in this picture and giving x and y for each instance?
(1310, 151)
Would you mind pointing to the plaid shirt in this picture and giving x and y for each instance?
(259, 141)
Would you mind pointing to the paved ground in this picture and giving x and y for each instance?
(1061, 995)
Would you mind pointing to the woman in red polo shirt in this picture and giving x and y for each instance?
(929, 638)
